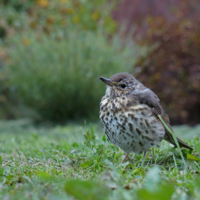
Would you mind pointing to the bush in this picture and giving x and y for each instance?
(50, 16)
(59, 78)
(172, 68)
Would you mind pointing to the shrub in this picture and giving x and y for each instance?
(172, 68)
(59, 78)
(50, 16)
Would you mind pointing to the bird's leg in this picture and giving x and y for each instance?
(125, 157)
(145, 153)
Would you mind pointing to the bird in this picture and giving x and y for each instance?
(129, 114)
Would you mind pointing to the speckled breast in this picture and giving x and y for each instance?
(129, 124)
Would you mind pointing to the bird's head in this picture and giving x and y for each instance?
(120, 84)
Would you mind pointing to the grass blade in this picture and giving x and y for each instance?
(176, 141)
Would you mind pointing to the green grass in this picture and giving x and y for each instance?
(76, 162)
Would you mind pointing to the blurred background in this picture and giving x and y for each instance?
(53, 51)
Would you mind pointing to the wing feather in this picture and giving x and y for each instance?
(148, 97)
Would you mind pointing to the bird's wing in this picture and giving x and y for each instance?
(148, 97)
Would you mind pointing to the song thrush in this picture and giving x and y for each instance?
(129, 115)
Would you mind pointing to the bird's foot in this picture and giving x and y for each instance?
(145, 153)
(125, 157)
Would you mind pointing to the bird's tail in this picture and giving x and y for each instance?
(181, 143)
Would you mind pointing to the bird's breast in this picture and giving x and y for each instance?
(130, 124)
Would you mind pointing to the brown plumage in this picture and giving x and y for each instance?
(150, 98)
(129, 115)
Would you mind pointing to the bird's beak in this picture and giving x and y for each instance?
(106, 81)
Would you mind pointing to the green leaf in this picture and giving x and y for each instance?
(86, 190)
(162, 191)
(191, 157)
(153, 178)
(44, 175)
(86, 164)
(138, 171)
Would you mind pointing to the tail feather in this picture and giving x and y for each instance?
(158, 110)
(181, 143)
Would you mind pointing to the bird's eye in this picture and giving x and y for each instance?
(123, 85)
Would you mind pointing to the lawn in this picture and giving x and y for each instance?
(76, 162)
